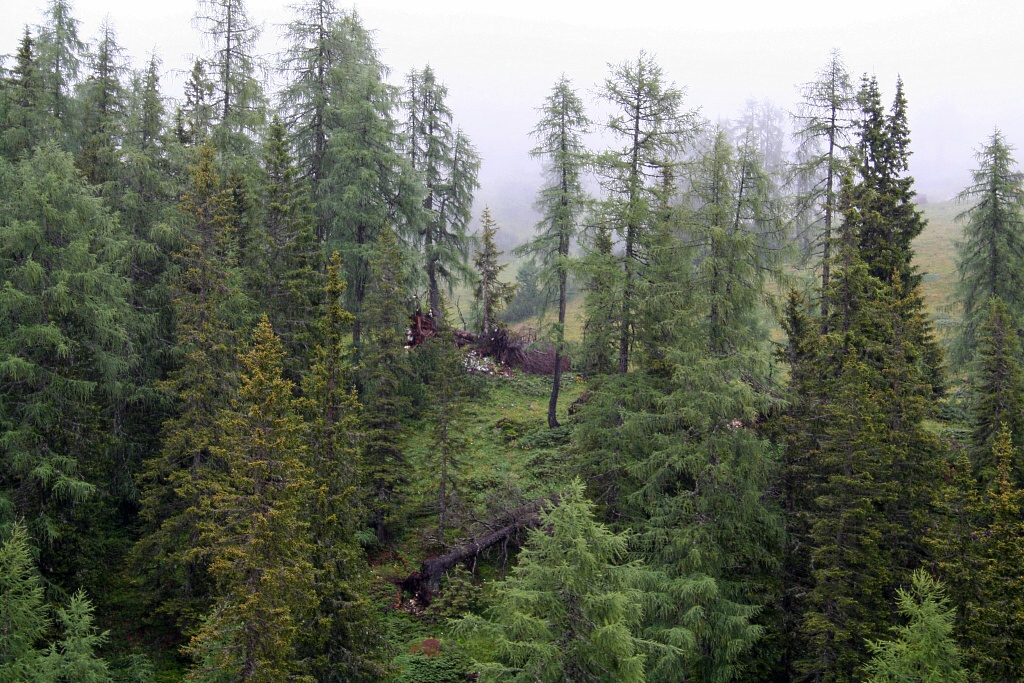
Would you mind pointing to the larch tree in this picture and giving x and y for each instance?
(239, 103)
(572, 607)
(923, 650)
(447, 166)
(559, 136)
(990, 259)
(68, 340)
(367, 184)
(647, 127)
(60, 53)
(825, 123)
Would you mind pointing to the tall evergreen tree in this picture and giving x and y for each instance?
(559, 136)
(491, 294)
(104, 103)
(209, 310)
(341, 641)
(447, 165)
(993, 623)
(647, 121)
(21, 102)
(289, 283)
(997, 388)
(384, 378)
(990, 259)
(252, 531)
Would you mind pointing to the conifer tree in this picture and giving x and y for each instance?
(289, 284)
(491, 294)
(997, 388)
(824, 125)
(447, 165)
(559, 135)
(209, 310)
(366, 183)
(923, 650)
(104, 104)
(239, 103)
(990, 259)
(649, 125)
(342, 639)
(571, 609)
(195, 117)
(859, 498)
(22, 611)
(60, 53)
(994, 620)
(384, 378)
(68, 340)
(73, 657)
(21, 102)
(251, 528)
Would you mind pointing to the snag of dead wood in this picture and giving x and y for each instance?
(424, 583)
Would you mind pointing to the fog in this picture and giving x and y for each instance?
(959, 61)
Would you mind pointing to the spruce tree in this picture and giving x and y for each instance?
(491, 294)
(21, 102)
(209, 311)
(990, 259)
(104, 103)
(252, 530)
(386, 373)
(993, 623)
(997, 389)
(341, 639)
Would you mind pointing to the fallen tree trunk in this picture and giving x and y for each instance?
(424, 583)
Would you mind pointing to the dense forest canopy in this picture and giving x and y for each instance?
(271, 410)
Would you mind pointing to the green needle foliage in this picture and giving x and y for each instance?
(22, 613)
(572, 608)
(990, 259)
(997, 388)
(252, 530)
(67, 340)
(491, 294)
(923, 650)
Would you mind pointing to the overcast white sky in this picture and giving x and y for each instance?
(960, 60)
